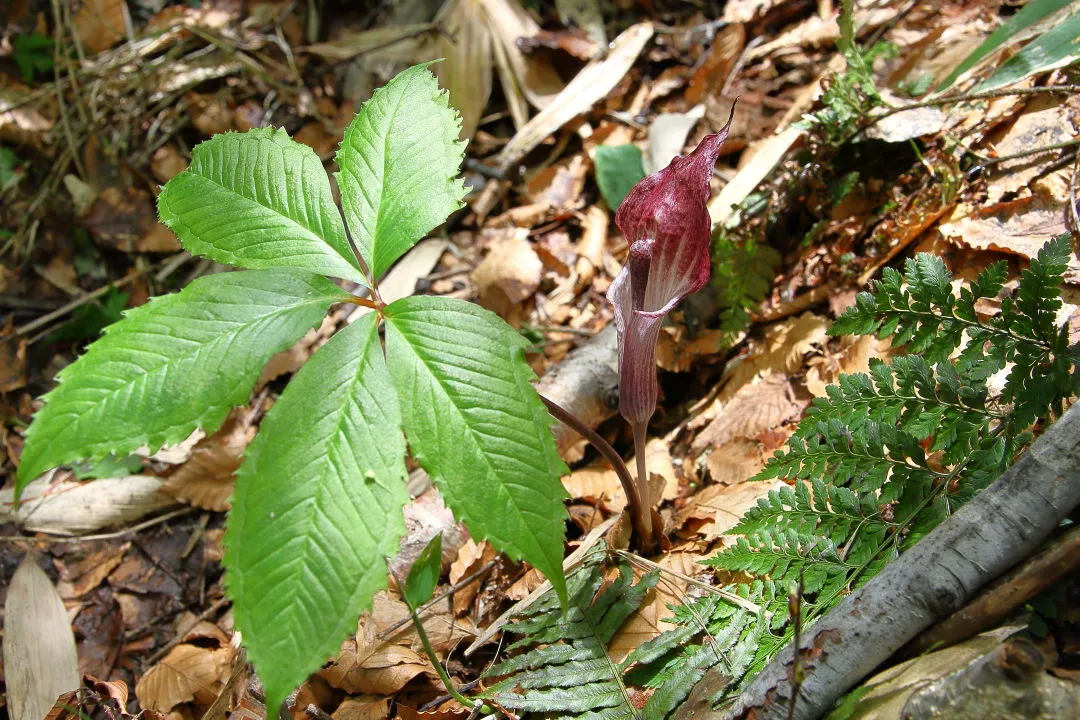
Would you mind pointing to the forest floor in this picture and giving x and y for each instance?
(101, 102)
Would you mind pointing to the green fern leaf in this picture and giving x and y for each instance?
(564, 667)
(1046, 371)
(728, 639)
(864, 490)
(784, 556)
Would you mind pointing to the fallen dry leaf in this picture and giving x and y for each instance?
(111, 689)
(712, 73)
(781, 351)
(510, 273)
(525, 585)
(588, 87)
(189, 627)
(393, 42)
(718, 508)
(126, 220)
(908, 125)
(73, 508)
(559, 185)
(471, 557)
(206, 479)
(210, 114)
(736, 461)
(853, 357)
(573, 41)
(135, 609)
(788, 341)
(186, 673)
(465, 41)
(753, 409)
(585, 517)
(677, 352)
(1044, 121)
(444, 630)
(594, 225)
(598, 485)
(372, 666)
(425, 516)
(529, 75)
(449, 710)
(40, 661)
(364, 707)
(316, 136)
(12, 364)
(667, 137)
(21, 121)
(1020, 227)
(84, 575)
(166, 163)
(99, 24)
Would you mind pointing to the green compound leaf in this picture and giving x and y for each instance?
(317, 510)
(259, 199)
(477, 426)
(178, 363)
(399, 163)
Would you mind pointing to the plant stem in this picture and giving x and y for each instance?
(641, 430)
(640, 514)
(430, 652)
(364, 302)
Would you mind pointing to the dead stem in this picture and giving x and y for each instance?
(969, 97)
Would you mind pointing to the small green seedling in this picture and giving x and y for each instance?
(420, 585)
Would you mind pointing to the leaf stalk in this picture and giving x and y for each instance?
(640, 512)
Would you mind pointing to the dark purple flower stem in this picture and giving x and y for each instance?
(641, 431)
(640, 513)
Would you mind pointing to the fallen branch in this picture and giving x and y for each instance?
(986, 537)
(1057, 558)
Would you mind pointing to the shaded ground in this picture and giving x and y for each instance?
(101, 103)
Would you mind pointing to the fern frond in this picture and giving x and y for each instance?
(710, 634)
(564, 666)
(927, 319)
(814, 509)
(864, 490)
(742, 276)
(909, 395)
(865, 457)
(784, 557)
(920, 316)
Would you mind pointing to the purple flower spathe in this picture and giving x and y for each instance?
(666, 223)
